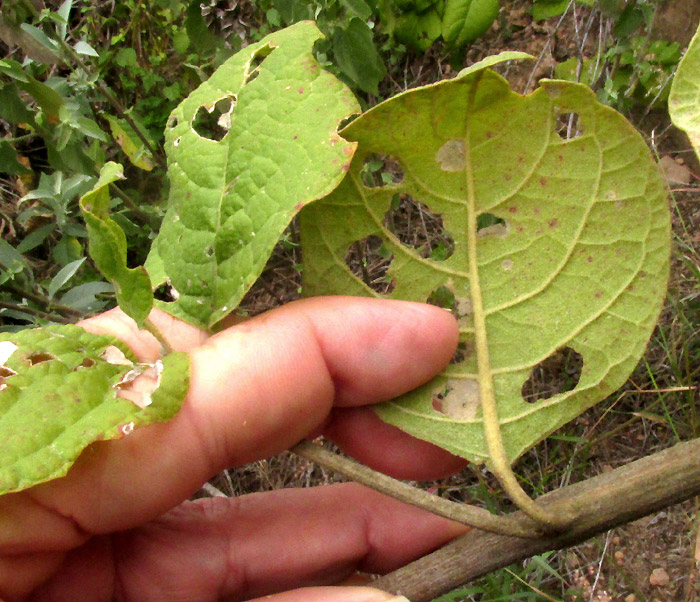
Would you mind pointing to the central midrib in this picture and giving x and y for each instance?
(486, 389)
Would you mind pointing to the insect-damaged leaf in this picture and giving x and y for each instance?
(684, 98)
(246, 151)
(62, 388)
(553, 230)
(108, 249)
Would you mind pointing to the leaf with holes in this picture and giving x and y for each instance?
(540, 221)
(684, 98)
(246, 151)
(62, 388)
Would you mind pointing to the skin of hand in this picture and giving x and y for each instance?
(119, 526)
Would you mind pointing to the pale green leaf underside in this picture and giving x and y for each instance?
(582, 261)
(58, 395)
(684, 98)
(231, 199)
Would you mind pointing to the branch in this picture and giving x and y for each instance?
(35, 312)
(603, 502)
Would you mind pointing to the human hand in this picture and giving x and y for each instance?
(117, 527)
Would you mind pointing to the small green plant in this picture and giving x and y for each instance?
(419, 24)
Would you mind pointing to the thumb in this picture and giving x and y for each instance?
(333, 594)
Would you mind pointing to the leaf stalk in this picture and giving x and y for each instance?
(463, 513)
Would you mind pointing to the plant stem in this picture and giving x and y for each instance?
(42, 300)
(463, 513)
(35, 312)
(603, 502)
(154, 330)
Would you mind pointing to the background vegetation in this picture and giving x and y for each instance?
(82, 83)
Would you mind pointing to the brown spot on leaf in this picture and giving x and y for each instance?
(553, 223)
(512, 209)
(543, 181)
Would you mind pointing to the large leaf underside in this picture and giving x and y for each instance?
(231, 197)
(576, 258)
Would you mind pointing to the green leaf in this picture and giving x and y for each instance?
(63, 388)
(46, 97)
(199, 34)
(63, 276)
(40, 37)
(10, 258)
(544, 9)
(466, 20)
(231, 198)
(358, 8)
(84, 296)
(85, 48)
(130, 143)
(35, 238)
(418, 31)
(12, 108)
(8, 160)
(684, 98)
(357, 57)
(64, 13)
(108, 249)
(558, 222)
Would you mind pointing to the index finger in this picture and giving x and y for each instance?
(256, 389)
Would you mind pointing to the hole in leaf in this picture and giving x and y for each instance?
(254, 65)
(459, 399)
(464, 350)
(209, 251)
(139, 383)
(173, 121)
(214, 122)
(557, 374)
(416, 226)
(488, 224)
(88, 362)
(381, 170)
(38, 357)
(568, 126)
(166, 292)
(443, 297)
(369, 260)
(6, 372)
(115, 356)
